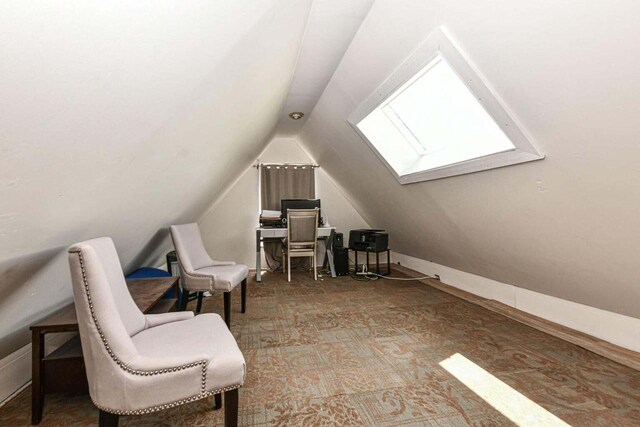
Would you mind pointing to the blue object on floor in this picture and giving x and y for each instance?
(149, 273)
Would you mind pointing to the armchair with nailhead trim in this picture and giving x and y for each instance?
(199, 273)
(137, 363)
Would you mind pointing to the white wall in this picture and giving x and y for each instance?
(228, 226)
(120, 119)
(566, 226)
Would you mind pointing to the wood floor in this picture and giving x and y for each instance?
(346, 352)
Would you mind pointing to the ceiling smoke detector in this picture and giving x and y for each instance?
(296, 115)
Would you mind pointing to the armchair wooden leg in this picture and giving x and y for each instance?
(185, 300)
(105, 419)
(243, 289)
(218, 401)
(227, 309)
(199, 306)
(231, 408)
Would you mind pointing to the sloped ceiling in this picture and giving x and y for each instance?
(121, 118)
(330, 29)
(566, 226)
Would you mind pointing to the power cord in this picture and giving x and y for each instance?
(361, 278)
(376, 275)
(366, 276)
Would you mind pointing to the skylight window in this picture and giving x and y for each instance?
(439, 119)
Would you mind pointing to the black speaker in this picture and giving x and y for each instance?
(338, 240)
(341, 261)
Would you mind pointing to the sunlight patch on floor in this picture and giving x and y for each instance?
(506, 400)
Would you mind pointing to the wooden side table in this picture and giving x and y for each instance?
(63, 370)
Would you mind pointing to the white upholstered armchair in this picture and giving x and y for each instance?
(199, 273)
(139, 363)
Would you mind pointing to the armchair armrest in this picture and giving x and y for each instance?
(219, 263)
(194, 281)
(153, 320)
(146, 363)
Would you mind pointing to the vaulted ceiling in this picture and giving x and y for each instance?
(121, 118)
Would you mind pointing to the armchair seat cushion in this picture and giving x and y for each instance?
(205, 334)
(225, 277)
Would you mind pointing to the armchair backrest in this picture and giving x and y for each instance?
(107, 315)
(189, 247)
(302, 226)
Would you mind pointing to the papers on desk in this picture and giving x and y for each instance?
(270, 218)
(270, 214)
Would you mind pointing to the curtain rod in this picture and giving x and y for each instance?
(257, 165)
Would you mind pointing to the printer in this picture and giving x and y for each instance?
(368, 240)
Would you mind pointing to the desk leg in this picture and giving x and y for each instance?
(332, 266)
(328, 254)
(37, 383)
(258, 257)
(325, 260)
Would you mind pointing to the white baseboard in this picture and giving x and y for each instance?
(617, 329)
(15, 369)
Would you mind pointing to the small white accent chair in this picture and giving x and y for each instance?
(199, 273)
(139, 363)
(302, 238)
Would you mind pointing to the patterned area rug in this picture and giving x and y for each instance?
(347, 352)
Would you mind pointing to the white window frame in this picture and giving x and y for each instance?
(440, 43)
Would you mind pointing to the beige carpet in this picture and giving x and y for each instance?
(346, 352)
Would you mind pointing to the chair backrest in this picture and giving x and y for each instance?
(189, 247)
(107, 315)
(302, 226)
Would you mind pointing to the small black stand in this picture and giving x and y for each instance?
(377, 252)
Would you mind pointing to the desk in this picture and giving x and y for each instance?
(277, 233)
(63, 370)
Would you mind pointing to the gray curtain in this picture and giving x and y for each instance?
(284, 182)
